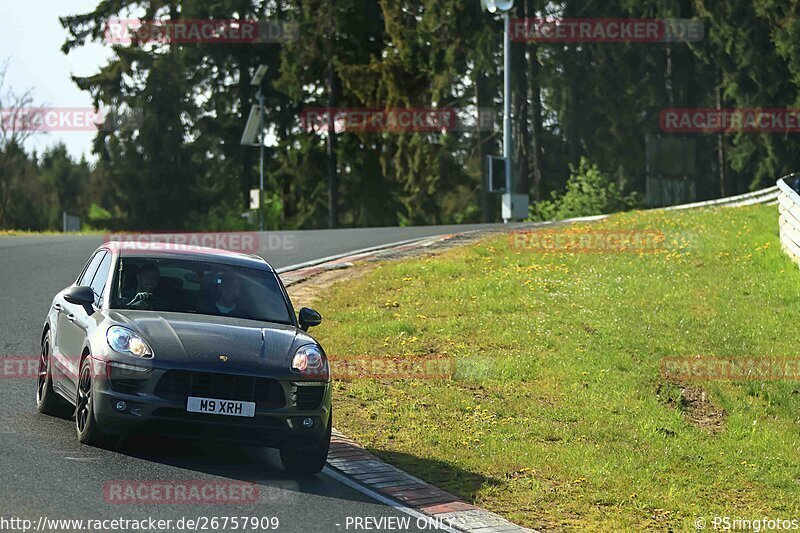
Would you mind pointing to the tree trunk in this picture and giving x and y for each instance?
(720, 141)
(571, 79)
(520, 112)
(482, 98)
(333, 178)
(535, 99)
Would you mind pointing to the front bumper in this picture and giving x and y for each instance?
(275, 424)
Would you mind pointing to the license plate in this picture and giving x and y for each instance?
(220, 407)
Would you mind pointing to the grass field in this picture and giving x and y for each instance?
(557, 416)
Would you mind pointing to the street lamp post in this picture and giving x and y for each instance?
(261, 164)
(509, 199)
(507, 96)
(254, 132)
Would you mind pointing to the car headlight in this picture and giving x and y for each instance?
(310, 361)
(126, 341)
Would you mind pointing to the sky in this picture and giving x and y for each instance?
(30, 39)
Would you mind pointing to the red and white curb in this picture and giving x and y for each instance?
(352, 460)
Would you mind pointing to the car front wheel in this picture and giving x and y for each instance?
(309, 460)
(47, 401)
(86, 425)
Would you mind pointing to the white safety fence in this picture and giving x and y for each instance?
(789, 220)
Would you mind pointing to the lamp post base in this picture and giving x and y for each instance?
(515, 207)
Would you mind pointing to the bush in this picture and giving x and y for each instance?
(589, 192)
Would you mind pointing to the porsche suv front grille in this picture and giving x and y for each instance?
(127, 386)
(308, 398)
(177, 385)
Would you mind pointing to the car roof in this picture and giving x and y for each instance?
(181, 251)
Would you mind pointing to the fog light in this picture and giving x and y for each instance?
(308, 422)
(121, 406)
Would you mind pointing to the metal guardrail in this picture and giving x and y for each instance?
(789, 219)
(764, 196)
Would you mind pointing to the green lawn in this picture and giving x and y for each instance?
(557, 416)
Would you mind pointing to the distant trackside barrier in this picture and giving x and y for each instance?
(789, 209)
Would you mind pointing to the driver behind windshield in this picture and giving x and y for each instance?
(142, 296)
(188, 286)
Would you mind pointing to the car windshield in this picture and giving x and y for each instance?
(191, 286)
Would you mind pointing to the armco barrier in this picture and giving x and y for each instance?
(764, 196)
(789, 209)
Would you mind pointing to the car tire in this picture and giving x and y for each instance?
(48, 402)
(86, 425)
(309, 460)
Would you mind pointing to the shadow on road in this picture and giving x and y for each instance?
(255, 465)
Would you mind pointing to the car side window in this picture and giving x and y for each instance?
(100, 278)
(91, 269)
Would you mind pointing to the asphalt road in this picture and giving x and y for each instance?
(46, 473)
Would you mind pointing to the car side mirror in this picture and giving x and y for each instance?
(309, 318)
(83, 296)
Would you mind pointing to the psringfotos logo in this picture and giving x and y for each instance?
(765, 523)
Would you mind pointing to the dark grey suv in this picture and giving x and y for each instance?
(190, 342)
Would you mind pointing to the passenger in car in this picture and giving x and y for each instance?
(227, 300)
